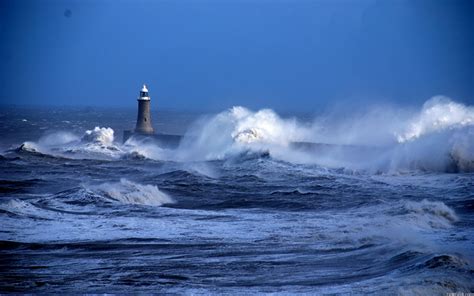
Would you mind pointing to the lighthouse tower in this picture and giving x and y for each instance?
(144, 119)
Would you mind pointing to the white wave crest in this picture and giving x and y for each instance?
(18, 206)
(439, 113)
(100, 135)
(238, 129)
(142, 148)
(26, 208)
(437, 138)
(264, 125)
(129, 192)
(430, 214)
(96, 143)
(29, 147)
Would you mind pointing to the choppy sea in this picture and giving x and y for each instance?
(237, 208)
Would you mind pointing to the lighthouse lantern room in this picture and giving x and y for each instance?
(144, 93)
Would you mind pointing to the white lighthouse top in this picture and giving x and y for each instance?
(144, 93)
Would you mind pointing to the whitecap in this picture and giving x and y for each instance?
(129, 192)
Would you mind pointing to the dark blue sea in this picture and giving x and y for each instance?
(245, 205)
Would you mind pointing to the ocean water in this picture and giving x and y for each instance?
(386, 209)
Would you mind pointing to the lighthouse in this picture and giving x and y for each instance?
(144, 126)
(144, 130)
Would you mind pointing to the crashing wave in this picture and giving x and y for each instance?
(25, 208)
(263, 125)
(438, 114)
(143, 148)
(96, 143)
(439, 138)
(129, 192)
(98, 140)
(431, 214)
(238, 129)
(248, 136)
(28, 147)
(99, 135)
(462, 151)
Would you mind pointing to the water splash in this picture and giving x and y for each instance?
(100, 135)
(438, 114)
(236, 130)
(129, 192)
(440, 137)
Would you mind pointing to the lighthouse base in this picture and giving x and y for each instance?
(163, 140)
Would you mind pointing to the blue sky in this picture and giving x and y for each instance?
(211, 55)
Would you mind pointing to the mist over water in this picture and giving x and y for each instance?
(379, 201)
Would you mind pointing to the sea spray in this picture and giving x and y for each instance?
(59, 138)
(437, 138)
(438, 114)
(236, 130)
(144, 148)
(99, 135)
